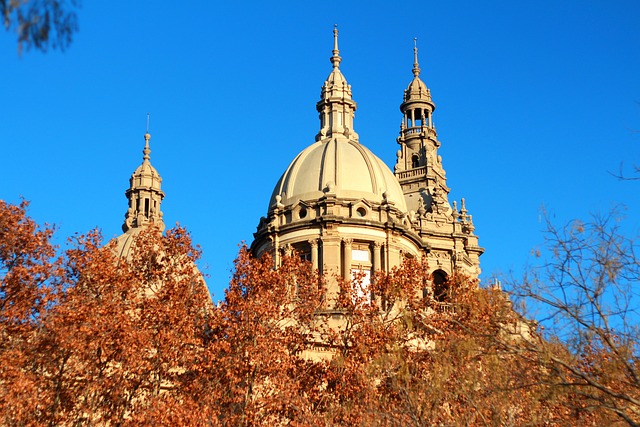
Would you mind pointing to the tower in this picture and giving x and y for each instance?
(418, 167)
(145, 196)
(449, 233)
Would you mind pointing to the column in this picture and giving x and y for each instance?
(377, 264)
(314, 253)
(346, 273)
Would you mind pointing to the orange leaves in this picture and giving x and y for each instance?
(94, 339)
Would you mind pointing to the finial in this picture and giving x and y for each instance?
(416, 67)
(147, 137)
(335, 59)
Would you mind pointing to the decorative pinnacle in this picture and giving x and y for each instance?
(147, 137)
(146, 150)
(335, 59)
(416, 66)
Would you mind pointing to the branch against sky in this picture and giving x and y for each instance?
(586, 294)
(41, 24)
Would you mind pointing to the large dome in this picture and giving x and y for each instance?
(340, 166)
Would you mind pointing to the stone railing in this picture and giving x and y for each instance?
(411, 173)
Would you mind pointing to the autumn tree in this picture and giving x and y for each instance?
(586, 296)
(92, 339)
(394, 356)
(26, 268)
(257, 372)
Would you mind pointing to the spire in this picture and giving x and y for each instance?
(416, 66)
(336, 107)
(335, 59)
(418, 105)
(144, 193)
(147, 136)
(147, 151)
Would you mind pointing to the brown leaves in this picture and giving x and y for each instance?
(93, 339)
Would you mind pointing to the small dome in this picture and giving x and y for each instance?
(341, 167)
(146, 176)
(417, 91)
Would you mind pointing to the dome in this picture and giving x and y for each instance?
(342, 167)
(417, 91)
(125, 242)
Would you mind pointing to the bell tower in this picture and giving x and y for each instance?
(447, 232)
(144, 194)
(418, 166)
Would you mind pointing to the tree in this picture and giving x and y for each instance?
(26, 268)
(91, 339)
(587, 295)
(41, 23)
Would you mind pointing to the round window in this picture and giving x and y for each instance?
(361, 211)
(302, 213)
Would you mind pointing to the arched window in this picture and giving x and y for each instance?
(440, 286)
(415, 161)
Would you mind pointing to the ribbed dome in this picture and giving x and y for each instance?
(125, 242)
(417, 90)
(342, 167)
(146, 176)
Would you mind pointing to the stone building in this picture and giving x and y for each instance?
(340, 207)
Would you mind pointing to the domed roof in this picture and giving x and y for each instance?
(145, 175)
(125, 242)
(342, 167)
(417, 90)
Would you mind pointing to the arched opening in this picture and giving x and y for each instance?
(440, 286)
(415, 161)
(418, 116)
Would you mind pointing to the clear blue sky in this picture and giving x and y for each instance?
(537, 102)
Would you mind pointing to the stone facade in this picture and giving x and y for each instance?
(341, 207)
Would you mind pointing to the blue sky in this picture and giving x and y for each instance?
(537, 102)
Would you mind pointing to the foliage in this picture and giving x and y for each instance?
(41, 23)
(587, 295)
(91, 339)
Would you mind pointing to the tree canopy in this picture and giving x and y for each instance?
(91, 339)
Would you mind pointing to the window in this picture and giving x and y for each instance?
(440, 287)
(303, 250)
(360, 255)
(361, 279)
(415, 161)
(305, 256)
